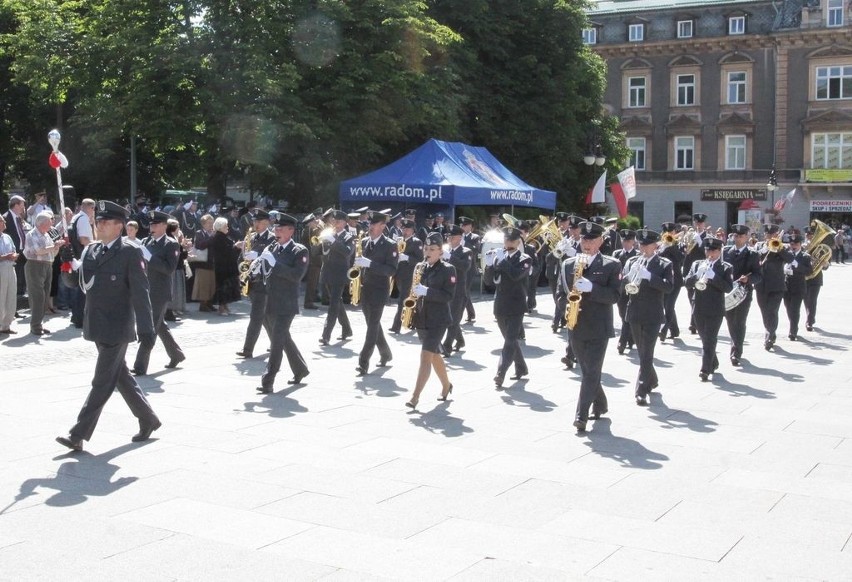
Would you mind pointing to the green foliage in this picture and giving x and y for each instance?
(629, 221)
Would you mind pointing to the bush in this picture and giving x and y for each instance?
(629, 221)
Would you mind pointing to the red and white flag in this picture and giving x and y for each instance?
(787, 199)
(597, 195)
(624, 190)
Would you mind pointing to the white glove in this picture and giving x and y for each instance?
(420, 290)
(709, 274)
(75, 264)
(403, 258)
(267, 256)
(146, 253)
(645, 273)
(570, 251)
(794, 264)
(446, 255)
(327, 237)
(489, 259)
(501, 254)
(363, 262)
(250, 256)
(697, 238)
(583, 285)
(788, 269)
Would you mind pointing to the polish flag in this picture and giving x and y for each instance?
(624, 190)
(787, 199)
(597, 195)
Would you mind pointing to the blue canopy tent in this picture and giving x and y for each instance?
(446, 174)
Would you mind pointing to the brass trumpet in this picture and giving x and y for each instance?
(317, 238)
(774, 245)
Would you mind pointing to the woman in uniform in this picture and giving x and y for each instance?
(432, 316)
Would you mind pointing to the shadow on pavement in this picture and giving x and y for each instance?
(810, 359)
(374, 383)
(672, 418)
(723, 383)
(626, 452)
(749, 368)
(516, 395)
(439, 421)
(277, 404)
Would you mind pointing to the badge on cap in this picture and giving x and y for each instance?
(644, 233)
(151, 214)
(588, 227)
(101, 205)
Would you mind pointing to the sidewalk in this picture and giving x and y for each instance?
(745, 477)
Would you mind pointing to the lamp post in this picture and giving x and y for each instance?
(594, 155)
(771, 187)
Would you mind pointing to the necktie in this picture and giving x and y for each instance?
(21, 238)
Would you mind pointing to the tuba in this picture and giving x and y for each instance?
(410, 302)
(819, 251)
(354, 274)
(572, 309)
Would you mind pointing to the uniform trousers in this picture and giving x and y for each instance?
(793, 306)
(671, 326)
(690, 294)
(312, 283)
(8, 293)
(39, 275)
(708, 330)
(532, 287)
(511, 326)
(336, 312)
(110, 373)
(78, 306)
(375, 337)
(146, 344)
(404, 286)
(626, 337)
(590, 355)
(769, 304)
(454, 331)
(811, 296)
(468, 305)
(282, 343)
(645, 337)
(257, 317)
(736, 319)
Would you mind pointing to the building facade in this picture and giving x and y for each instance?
(730, 105)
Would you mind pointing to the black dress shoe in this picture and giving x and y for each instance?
(264, 389)
(519, 376)
(145, 430)
(793, 337)
(569, 362)
(323, 341)
(620, 349)
(137, 372)
(245, 354)
(580, 425)
(809, 327)
(362, 370)
(384, 362)
(169, 316)
(70, 442)
(393, 330)
(554, 329)
(704, 376)
(674, 335)
(498, 380)
(40, 331)
(345, 337)
(692, 330)
(173, 363)
(642, 400)
(662, 336)
(598, 414)
(297, 379)
(470, 320)
(735, 361)
(459, 346)
(767, 345)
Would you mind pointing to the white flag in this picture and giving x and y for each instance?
(598, 194)
(627, 179)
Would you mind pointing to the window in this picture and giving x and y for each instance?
(636, 208)
(686, 89)
(834, 82)
(684, 153)
(684, 29)
(736, 25)
(682, 210)
(636, 92)
(636, 32)
(832, 150)
(590, 36)
(636, 145)
(736, 87)
(834, 16)
(735, 152)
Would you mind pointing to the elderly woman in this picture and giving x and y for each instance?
(40, 250)
(8, 279)
(178, 303)
(204, 285)
(225, 255)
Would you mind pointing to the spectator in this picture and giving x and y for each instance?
(225, 254)
(132, 229)
(177, 305)
(17, 229)
(39, 206)
(204, 281)
(840, 247)
(8, 280)
(40, 251)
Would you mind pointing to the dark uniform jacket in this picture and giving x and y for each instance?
(675, 253)
(773, 279)
(405, 269)
(743, 262)
(473, 242)
(595, 318)
(624, 255)
(711, 301)
(284, 278)
(376, 279)
(259, 241)
(509, 277)
(432, 310)
(337, 257)
(612, 242)
(164, 259)
(117, 300)
(647, 306)
(696, 254)
(796, 283)
(461, 258)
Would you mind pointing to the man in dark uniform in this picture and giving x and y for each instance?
(796, 286)
(569, 225)
(600, 287)
(141, 218)
(461, 258)
(235, 230)
(812, 289)
(428, 222)
(770, 288)
(612, 240)
(310, 239)
(746, 273)
(112, 273)
(552, 261)
(407, 261)
(260, 239)
(694, 251)
(378, 262)
(507, 270)
(710, 279)
(525, 227)
(626, 252)
(161, 252)
(337, 249)
(471, 241)
(186, 218)
(285, 263)
(674, 253)
(646, 308)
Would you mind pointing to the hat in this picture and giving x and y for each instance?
(591, 230)
(465, 220)
(305, 220)
(354, 215)
(429, 216)
(285, 220)
(410, 212)
(562, 216)
(264, 215)
(574, 221)
(225, 208)
(647, 237)
(627, 234)
(317, 211)
(597, 219)
(454, 229)
(434, 238)
(524, 225)
(699, 217)
(337, 214)
(377, 217)
(108, 210)
(772, 229)
(795, 238)
(408, 223)
(396, 216)
(511, 233)
(362, 210)
(712, 244)
(328, 213)
(611, 220)
(158, 217)
(739, 229)
(670, 226)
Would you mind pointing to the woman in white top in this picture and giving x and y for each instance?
(8, 279)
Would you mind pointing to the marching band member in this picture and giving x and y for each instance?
(552, 264)
(653, 277)
(796, 286)
(507, 270)
(532, 281)
(612, 238)
(627, 251)
(812, 289)
(673, 252)
(411, 255)
(337, 249)
(709, 280)
(435, 291)
(311, 230)
(600, 286)
(461, 259)
(378, 262)
(770, 288)
(694, 251)
(260, 239)
(746, 272)
(471, 241)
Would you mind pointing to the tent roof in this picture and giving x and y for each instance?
(446, 173)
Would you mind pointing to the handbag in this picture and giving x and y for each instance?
(197, 255)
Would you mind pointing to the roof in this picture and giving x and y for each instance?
(618, 6)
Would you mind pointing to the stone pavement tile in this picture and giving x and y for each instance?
(315, 453)
(351, 515)
(838, 490)
(341, 575)
(797, 507)
(787, 560)
(563, 447)
(832, 472)
(834, 425)
(551, 470)
(724, 438)
(513, 571)
(438, 475)
(186, 557)
(302, 433)
(210, 521)
(374, 555)
(336, 482)
(445, 454)
(547, 550)
(599, 526)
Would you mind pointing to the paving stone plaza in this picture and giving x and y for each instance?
(746, 477)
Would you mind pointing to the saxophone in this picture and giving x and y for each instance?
(354, 274)
(410, 303)
(572, 310)
(245, 265)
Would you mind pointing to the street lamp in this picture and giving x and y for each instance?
(771, 187)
